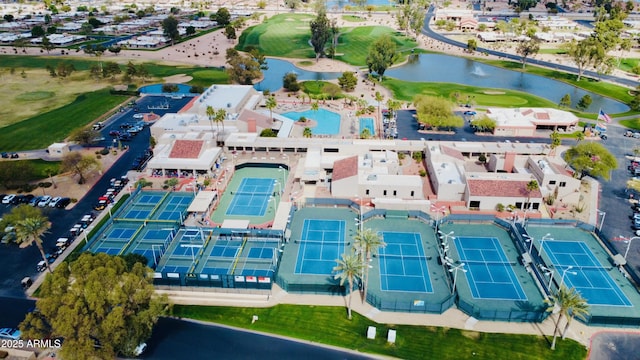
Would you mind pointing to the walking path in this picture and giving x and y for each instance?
(452, 318)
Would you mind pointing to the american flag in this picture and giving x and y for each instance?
(604, 117)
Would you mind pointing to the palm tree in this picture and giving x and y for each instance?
(219, 117)
(367, 243)
(315, 106)
(211, 113)
(307, 132)
(349, 269)
(531, 187)
(29, 231)
(579, 136)
(566, 303)
(271, 103)
(379, 97)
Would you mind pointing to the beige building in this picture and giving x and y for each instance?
(525, 121)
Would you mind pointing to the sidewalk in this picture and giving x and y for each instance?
(452, 318)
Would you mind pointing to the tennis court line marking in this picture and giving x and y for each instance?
(424, 267)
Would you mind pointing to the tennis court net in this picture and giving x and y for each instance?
(407, 257)
(320, 242)
(252, 193)
(490, 263)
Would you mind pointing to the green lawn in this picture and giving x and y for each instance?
(329, 325)
(631, 123)
(354, 43)
(405, 90)
(353, 18)
(42, 130)
(553, 51)
(627, 64)
(599, 87)
(285, 35)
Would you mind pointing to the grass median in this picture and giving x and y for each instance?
(329, 325)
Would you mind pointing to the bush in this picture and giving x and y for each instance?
(45, 184)
(417, 156)
(482, 158)
(104, 151)
(28, 187)
(423, 172)
(302, 119)
(98, 156)
(196, 89)
(500, 207)
(3, 354)
(74, 200)
(170, 88)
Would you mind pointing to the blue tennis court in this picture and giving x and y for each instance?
(108, 249)
(321, 243)
(591, 278)
(403, 264)
(489, 272)
(252, 197)
(261, 253)
(136, 214)
(121, 233)
(149, 199)
(226, 249)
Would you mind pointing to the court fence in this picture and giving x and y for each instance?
(310, 288)
(411, 306)
(173, 280)
(533, 315)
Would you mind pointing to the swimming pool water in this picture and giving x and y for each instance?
(367, 123)
(157, 89)
(328, 122)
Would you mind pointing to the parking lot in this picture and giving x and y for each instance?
(18, 263)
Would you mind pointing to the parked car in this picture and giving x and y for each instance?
(18, 199)
(98, 126)
(41, 266)
(54, 201)
(44, 201)
(10, 333)
(63, 203)
(8, 199)
(628, 133)
(101, 205)
(636, 135)
(27, 198)
(114, 133)
(35, 201)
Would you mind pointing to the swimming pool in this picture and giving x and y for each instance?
(157, 89)
(367, 123)
(328, 122)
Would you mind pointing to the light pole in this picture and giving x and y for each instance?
(155, 259)
(445, 237)
(284, 180)
(438, 210)
(548, 272)
(528, 239)
(628, 241)
(604, 214)
(565, 272)
(276, 182)
(109, 206)
(360, 213)
(86, 234)
(455, 269)
(542, 240)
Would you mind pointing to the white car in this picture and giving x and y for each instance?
(44, 201)
(7, 199)
(140, 349)
(10, 333)
(138, 116)
(54, 201)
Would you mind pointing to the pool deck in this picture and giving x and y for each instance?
(452, 318)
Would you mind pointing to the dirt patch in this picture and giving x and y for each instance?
(493, 92)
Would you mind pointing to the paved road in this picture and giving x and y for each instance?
(172, 338)
(18, 263)
(614, 346)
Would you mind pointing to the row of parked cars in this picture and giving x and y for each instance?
(127, 131)
(63, 243)
(39, 201)
(116, 186)
(141, 160)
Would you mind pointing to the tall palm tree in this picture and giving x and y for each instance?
(315, 106)
(379, 97)
(271, 103)
(531, 187)
(367, 242)
(219, 118)
(349, 269)
(566, 303)
(307, 132)
(211, 113)
(29, 230)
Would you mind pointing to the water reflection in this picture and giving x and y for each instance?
(451, 69)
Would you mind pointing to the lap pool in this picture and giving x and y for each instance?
(367, 123)
(327, 122)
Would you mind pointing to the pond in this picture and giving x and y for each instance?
(279, 68)
(451, 69)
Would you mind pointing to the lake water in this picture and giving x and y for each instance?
(451, 69)
(279, 68)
